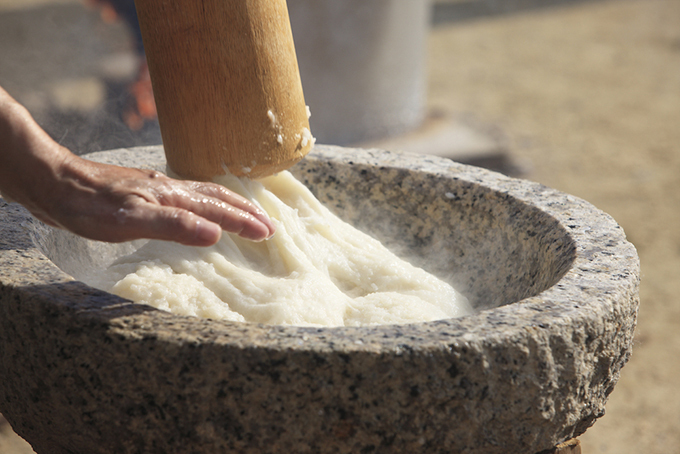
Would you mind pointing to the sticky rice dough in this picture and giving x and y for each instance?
(315, 271)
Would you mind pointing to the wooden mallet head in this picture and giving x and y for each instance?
(227, 86)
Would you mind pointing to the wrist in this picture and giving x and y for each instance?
(30, 161)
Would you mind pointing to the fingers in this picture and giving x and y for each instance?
(231, 219)
(215, 204)
(168, 224)
(150, 222)
(216, 212)
(189, 220)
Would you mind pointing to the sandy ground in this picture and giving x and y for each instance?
(587, 96)
(590, 96)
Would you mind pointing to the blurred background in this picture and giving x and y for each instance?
(580, 95)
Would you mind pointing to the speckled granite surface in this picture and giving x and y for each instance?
(554, 279)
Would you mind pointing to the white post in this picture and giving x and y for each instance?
(362, 64)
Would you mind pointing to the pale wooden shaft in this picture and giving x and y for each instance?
(227, 85)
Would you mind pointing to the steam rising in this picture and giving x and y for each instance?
(72, 71)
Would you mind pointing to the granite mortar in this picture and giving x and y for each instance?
(553, 279)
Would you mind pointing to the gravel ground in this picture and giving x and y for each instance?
(587, 94)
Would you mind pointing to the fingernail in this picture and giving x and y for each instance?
(272, 229)
(267, 222)
(207, 233)
(259, 231)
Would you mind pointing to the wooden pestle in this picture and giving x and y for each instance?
(227, 85)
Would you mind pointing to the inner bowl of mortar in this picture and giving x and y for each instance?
(553, 281)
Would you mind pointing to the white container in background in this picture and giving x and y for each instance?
(362, 64)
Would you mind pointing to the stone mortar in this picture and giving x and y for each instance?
(553, 278)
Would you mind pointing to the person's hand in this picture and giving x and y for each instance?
(111, 203)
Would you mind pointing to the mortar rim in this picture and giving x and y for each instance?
(569, 301)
